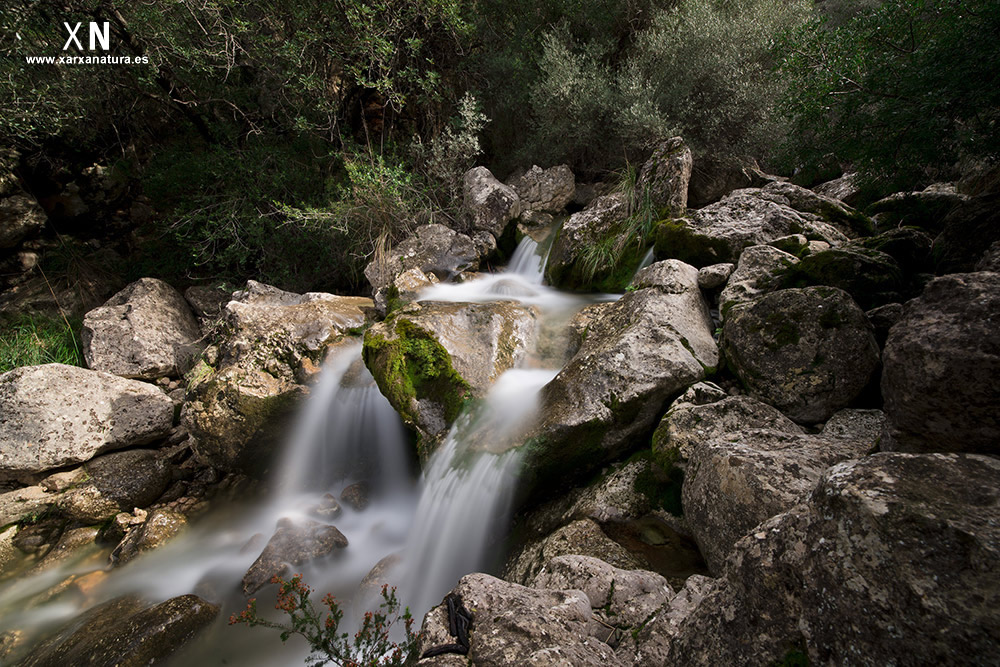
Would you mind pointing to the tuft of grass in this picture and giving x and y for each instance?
(32, 340)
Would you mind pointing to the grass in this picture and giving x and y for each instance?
(32, 340)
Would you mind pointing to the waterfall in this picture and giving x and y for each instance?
(528, 261)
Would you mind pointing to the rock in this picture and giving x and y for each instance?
(516, 625)
(713, 178)
(20, 218)
(909, 246)
(884, 318)
(871, 277)
(428, 357)
(831, 210)
(356, 496)
(714, 276)
(734, 482)
(56, 415)
(862, 426)
(487, 204)
(405, 288)
(894, 555)
(292, 544)
(24, 502)
(121, 632)
(844, 188)
(651, 344)
(580, 324)
(664, 178)
(687, 425)
(808, 352)
(719, 232)
(941, 362)
(136, 478)
(545, 190)
(145, 331)
(759, 271)
(794, 244)
(581, 231)
(328, 507)
(207, 301)
(990, 261)
(432, 248)
(926, 209)
(160, 527)
(626, 598)
(485, 243)
(652, 642)
(969, 231)
(582, 538)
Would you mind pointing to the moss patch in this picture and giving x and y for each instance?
(676, 240)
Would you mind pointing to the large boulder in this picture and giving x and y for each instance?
(583, 230)
(428, 357)
(712, 178)
(968, 232)
(516, 625)
(892, 560)
(734, 482)
(431, 248)
(808, 352)
(545, 190)
(145, 331)
(292, 544)
(844, 188)
(117, 482)
(871, 277)
(56, 415)
(161, 526)
(487, 204)
(719, 232)
(663, 179)
(909, 246)
(758, 272)
(926, 209)
(830, 209)
(650, 345)
(941, 363)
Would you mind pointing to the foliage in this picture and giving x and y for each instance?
(902, 91)
(454, 151)
(370, 645)
(33, 340)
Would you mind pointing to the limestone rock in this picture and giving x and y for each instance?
(545, 190)
(686, 425)
(833, 211)
(24, 502)
(862, 426)
(432, 248)
(808, 352)
(883, 319)
(56, 415)
(292, 544)
(116, 482)
(664, 177)
(646, 348)
(714, 276)
(941, 362)
(713, 178)
(356, 496)
(652, 642)
(909, 246)
(926, 209)
(487, 204)
(145, 331)
(404, 288)
(736, 481)
(160, 527)
(759, 271)
(207, 301)
(969, 231)
(582, 230)
(871, 277)
(844, 188)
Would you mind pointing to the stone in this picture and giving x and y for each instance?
(356, 496)
(517, 625)
(124, 633)
(581, 231)
(160, 527)
(405, 288)
(432, 248)
(649, 346)
(487, 204)
(883, 318)
(582, 537)
(428, 357)
(845, 188)
(145, 331)
(968, 232)
(56, 415)
(833, 211)
(871, 277)
(760, 270)
(652, 642)
(909, 246)
(686, 425)
(712, 178)
(794, 244)
(893, 555)
(736, 481)
(579, 325)
(292, 544)
(663, 179)
(926, 209)
(25, 502)
(990, 261)
(545, 190)
(134, 478)
(207, 301)
(941, 362)
(86, 505)
(808, 352)
(862, 426)
(719, 232)
(714, 276)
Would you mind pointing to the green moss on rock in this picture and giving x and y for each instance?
(676, 240)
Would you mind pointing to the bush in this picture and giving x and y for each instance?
(34, 340)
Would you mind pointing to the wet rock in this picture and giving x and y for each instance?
(123, 633)
(808, 352)
(969, 231)
(428, 357)
(581, 231)
(431, 248)
(664, 177)
(160, 527)
(292, 544)
(25, 502)
(145, 331)
(871, 277)
(941, 363)
(687, 425)
(487, 204)
(8, 553)
(516, 625)
(545, 190)
(56, 415)
(714, 276)
(404, 288)
(583, 538)
(328, 507)
(736, 481)
(759, 271)
(646, 348)
(86, 505)
(73, 546)
(356, 496)
(719, 232)
(894, 555)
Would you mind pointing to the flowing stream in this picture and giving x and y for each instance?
(424, 533)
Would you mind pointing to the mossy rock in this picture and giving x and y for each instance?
(871, 277)
(676, 240)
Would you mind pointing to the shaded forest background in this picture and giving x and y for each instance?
(289, 141)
